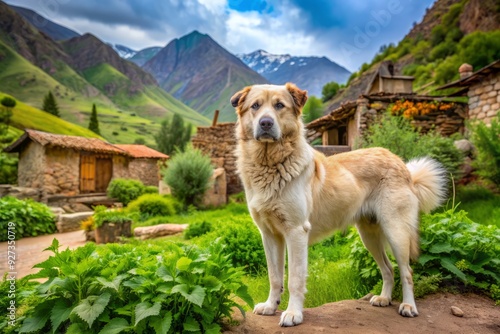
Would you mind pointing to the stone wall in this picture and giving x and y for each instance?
(484, 98)
(219, 142)
(31, 166)
(146, 170)
(120, 167)
(62, 172)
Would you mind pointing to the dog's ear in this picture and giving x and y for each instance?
(238, 98)
(299, 95)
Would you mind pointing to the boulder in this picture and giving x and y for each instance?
(71, 221)
(160, 230)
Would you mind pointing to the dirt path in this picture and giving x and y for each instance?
(481, 316)
(29, 251)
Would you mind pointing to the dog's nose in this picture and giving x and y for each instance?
(266, 123)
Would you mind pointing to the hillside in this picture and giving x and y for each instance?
(144, 55)
(202, 74)
(309, 73)
(31, 64)
(451, 33)
(55, 31)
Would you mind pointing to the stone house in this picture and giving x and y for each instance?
(72, 165)
(352, 111)
(483, 89)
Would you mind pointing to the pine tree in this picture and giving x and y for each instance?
(94, 123)
(173, 135)
(50, 105)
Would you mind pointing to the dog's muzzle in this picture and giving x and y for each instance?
(266, 131)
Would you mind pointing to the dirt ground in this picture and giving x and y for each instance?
(358, 316)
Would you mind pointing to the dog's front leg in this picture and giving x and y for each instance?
(297, 242)
(274, 246)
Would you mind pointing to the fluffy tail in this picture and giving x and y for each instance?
(429, 182)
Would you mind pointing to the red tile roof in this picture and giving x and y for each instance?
(142, 151)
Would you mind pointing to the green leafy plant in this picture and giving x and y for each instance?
(125, 190)
(26, 218)
(188, 175)
(102, 215)
(486, 140)
(142, 289)
(152, 205)
(197, 229)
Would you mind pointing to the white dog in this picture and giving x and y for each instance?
(297, 196)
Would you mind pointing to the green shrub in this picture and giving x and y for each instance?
(197, 229)
(102, 215)
(243, 243)
(443, 50)
(150, 190)
(152, 205)
(396, 134)
(188, 175)
(139, 289)
(486, 140)
(24, 218)
(125, 190)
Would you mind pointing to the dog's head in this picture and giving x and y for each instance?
(269, 113)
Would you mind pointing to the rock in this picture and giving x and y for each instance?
(160, 230)
(67, 208)
(79, 207)
(464, 145)
(457, 312)
(71, 221)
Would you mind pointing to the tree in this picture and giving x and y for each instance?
(173, 134)
(313, 109)
(330, 90)
(7, 104)
(8, 162)
(50, 105)
(94, 123)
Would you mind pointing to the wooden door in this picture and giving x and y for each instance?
(87, 173)
(103, 173)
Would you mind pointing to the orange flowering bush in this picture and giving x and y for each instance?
(409, 108)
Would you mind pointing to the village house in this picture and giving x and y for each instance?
(483, 89)
(367, 98)
(61, 165)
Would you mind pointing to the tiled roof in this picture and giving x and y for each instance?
(142, 151)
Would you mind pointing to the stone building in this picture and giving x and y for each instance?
(219, 142)
(483, 89)
(71, 165)
(352, 111)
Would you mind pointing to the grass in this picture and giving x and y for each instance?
(482, 205)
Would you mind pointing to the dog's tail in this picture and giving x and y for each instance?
(429, 184)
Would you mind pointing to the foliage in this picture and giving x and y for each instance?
(125, 190)
(8, 162)
(401, 138)
(480, 203)
(93, 122)
(24, 218)
(173, 135)
(117, 216)
(6, 106)
(139, 141)
(50, 105)
(20, 293)
(88, 224)
(150, 190)
(243, 243)
(188, 175)
(329, 90)
(141, 289)
(197, 229)
(313, 109)
(486, 140)
(152, 205)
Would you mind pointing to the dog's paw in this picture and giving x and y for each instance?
(265, 308)
(380, 301)
(408, 310)
(291, 318)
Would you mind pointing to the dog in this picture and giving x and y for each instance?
(297, 196)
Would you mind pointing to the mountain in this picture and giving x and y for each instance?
(80, 72)
(143, 56)
(202, 74)
(310, 73)
(53, 30)
(123, 51)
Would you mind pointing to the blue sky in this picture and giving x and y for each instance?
(348, 32)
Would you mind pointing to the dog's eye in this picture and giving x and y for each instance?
(279, 105)
(255, 106)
